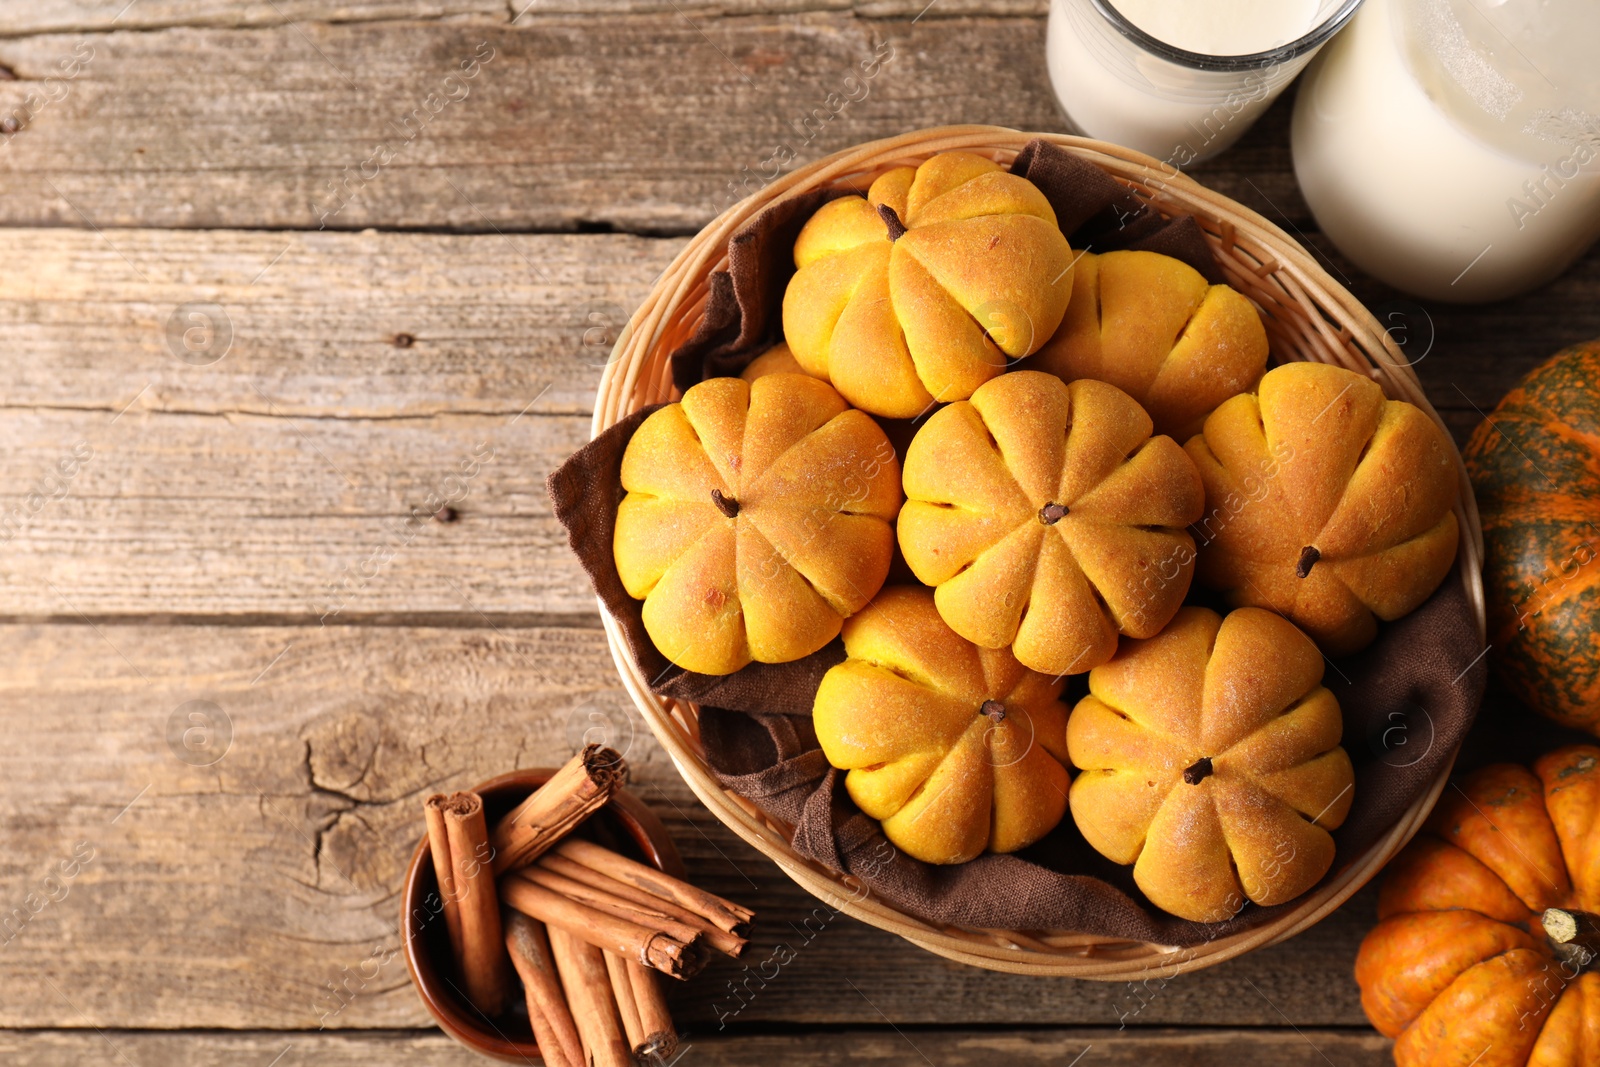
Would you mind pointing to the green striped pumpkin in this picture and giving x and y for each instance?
(1535, 466)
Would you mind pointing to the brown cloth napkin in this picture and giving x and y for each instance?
(1407, 700)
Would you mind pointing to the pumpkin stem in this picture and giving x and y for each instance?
(1198, 773)
(897, 229)
(1575, 936)
(994, 711)
(1052, 513)
(725, 504)
(1308, 559)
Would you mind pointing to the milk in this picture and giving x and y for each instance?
(1116, 89)
(1460, 207)
(1222, 27)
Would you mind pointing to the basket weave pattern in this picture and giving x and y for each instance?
(1308, 316)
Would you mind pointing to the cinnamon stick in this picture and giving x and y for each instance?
(544, 1036)
(480, 946)
(628, 939)
(725, 914)
(622, 992)
(652, 918)
(588, 987)
(659, 1037)
(443, 872)
(548, 1011)
(571, 795)
(717, 938)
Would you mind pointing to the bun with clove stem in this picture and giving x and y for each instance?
(927, 288)
(1326, 502)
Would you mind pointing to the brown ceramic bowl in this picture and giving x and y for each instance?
(625, 824)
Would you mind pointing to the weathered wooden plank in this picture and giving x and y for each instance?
(66, 16)
(1307, 980)
(944, 1048)
(640, 122)
(229, 895)
(59, 16)
(241, 514)
(378, 326)
(367, 375)
(927, 9)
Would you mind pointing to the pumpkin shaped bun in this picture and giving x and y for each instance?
(1154, 327)
(756, 519)
(1326, 502)
(954, 748)
(775, 360)
(1049, 520)
(1487, 933)
(1210, 760)
(924, 290)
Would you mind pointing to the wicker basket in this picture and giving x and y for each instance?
(1308, 316)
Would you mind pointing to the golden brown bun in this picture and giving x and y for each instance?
(775, 360)
(905, 715)
(1244, 693)
(1319, 460)
(978, 478)
(980, 275)
(814, 485)
(1153, 327)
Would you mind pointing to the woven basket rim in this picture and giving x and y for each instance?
(1308, 316)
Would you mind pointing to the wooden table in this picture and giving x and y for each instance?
(271, 282)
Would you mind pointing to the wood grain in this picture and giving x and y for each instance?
(245, 892)
(89, 15)
(637, 122)
(378, 326)
(310, 520)
(942, 1048)
(58, 16)
(368, 375)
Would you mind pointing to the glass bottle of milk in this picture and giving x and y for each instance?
(1452, 147)
(1180, 80)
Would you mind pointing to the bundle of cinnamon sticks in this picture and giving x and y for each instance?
(585, 929)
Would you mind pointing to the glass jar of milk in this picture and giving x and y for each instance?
(1180, 80)
(1452, 147)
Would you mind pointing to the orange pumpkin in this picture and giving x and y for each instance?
(1486, 927)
